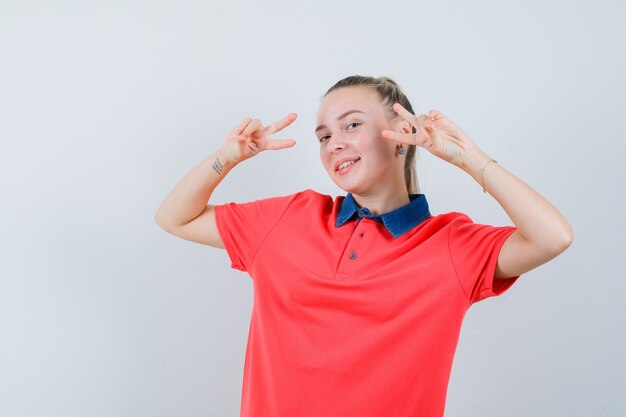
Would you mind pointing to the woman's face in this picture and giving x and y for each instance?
(357, 137)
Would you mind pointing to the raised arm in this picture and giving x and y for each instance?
(543, 233)
(185, 212)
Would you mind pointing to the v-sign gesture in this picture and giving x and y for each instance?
(251, 137)
(436, 133)
(542, 232)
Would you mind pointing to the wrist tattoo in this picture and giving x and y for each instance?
(217, 166)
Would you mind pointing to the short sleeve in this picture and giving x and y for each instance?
(244, 226)
(474, 250)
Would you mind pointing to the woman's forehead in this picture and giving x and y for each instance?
(337, 102)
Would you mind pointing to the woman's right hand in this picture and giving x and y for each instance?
(250, 138)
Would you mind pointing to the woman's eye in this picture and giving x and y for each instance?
(323, 137)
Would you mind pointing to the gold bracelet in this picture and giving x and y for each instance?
(483, 173)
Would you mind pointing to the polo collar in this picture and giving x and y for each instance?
(397, 222)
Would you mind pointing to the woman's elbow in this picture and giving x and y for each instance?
(563, 240)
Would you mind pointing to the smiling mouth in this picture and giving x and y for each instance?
(347, 167)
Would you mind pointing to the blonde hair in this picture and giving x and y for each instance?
(390, 93)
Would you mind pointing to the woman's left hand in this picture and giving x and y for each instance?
(436, 133)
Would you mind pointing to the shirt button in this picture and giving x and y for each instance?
(352, 255)
(360, 214)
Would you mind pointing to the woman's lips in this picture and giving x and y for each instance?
(344, 171)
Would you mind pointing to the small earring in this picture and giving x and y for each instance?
(401, 151)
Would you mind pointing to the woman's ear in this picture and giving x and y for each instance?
(406, 127)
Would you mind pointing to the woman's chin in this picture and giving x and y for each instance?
(349, 186)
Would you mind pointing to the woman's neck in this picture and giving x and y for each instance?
(384, 201)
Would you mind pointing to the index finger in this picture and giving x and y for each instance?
(281, 124)
(416, 121)
(404, 112)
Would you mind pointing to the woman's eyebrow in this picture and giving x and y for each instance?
(320, 127)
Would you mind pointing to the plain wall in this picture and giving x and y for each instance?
(105, 106)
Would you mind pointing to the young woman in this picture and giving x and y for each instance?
(359, 299)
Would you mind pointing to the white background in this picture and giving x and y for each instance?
(105, 106)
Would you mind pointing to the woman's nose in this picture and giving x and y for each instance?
(335, 142)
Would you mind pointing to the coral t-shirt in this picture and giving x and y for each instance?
(350, 319)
